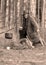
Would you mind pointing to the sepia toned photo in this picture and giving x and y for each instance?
(22, 32)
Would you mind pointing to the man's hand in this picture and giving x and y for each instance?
(20, 28)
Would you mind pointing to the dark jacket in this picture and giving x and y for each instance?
(23, 32)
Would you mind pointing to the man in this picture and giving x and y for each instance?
(23, 29)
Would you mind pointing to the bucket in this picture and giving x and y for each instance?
(8, 35)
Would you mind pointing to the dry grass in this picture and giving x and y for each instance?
(21, 54)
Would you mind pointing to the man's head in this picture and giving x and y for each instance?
(25, 14)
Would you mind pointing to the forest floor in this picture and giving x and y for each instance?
(21, 54)
(36, 56)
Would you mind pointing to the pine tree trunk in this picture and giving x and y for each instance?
(11, 14)
(3, 10)
(7, 20)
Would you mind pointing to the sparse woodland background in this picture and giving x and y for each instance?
(11, 15)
